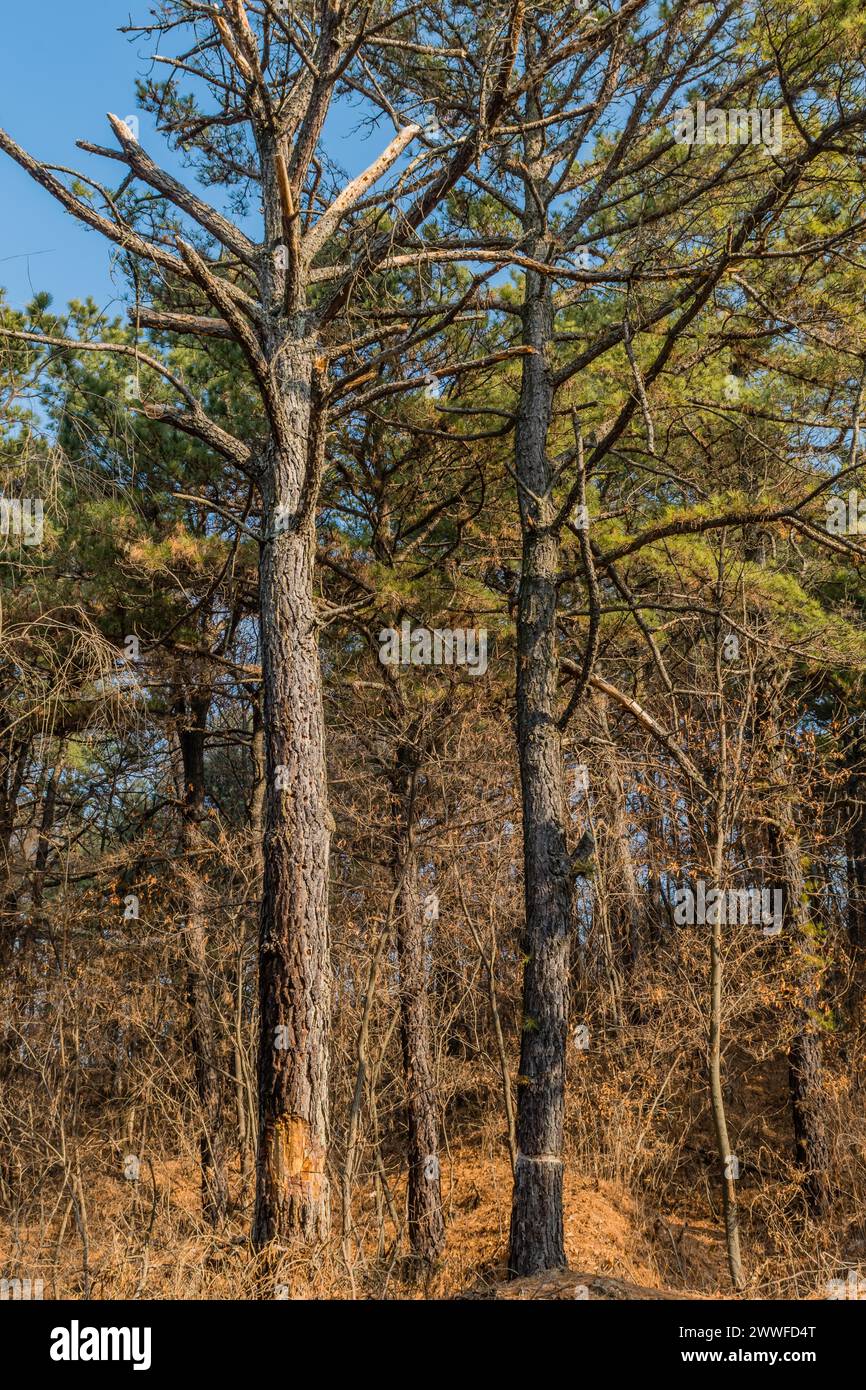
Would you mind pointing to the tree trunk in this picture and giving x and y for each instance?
(362, 1073)
(424, 1195)
(717, 1105)
(244, 1108)
(202, 1016)
(856, 835)
(626, 902)
(259, 780)
(488, 960)
(805, 1054)
(37, 919)
(292, 1189)
(11, 782)
(537, 1240)
(727, 1161)
(806, 1082)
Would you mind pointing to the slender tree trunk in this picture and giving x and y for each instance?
(805, 1054)
(537, 1240)
(244, 1110)
(856, 847)
(627, 902)
(259, 782)
(37, 918)
(488, 960)
(362, 1053)
(806, 1083)
(727, 1160)
(717, 1104)
(245, 1104)
(424, 1195)
(10, 788)
(292, 1189)
(628, 896)
(202, 1016)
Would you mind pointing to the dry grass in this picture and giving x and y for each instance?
(147, 1240)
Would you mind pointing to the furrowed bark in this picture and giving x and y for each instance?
(537, 1240)
(292, 1189)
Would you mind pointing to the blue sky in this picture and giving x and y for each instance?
(65, 65)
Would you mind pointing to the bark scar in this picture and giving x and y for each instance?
(297, 1162)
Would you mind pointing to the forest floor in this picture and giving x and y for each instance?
(147, 1240)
